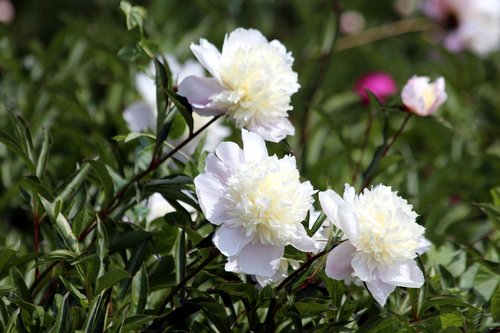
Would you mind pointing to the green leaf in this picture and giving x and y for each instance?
(62, 306)
(43, 156)
(451, 320)
(135, 15)
(76, 180)
(140, 290)
(61, 225)
(21, 289)
(162, 84)
(180, 257)
(105, 179)
(183, 106)
(11, 144)
(102, 247)
(95, 321)
(82, 299)
(57, 255)
(495, 304)
(6, 257)
(110, 278)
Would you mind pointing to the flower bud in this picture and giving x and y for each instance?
(422, 97)
(381, 84)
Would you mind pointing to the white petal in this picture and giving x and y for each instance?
(230, 240)
(273, 130)
(303, 242)
(360, 265)
(210, 191)
(146, 86)
(216, 167)
(257, 259)
(241, 37)
(254, 146)
(404, 275)
(423, 245)
(348, 222)
(198, 91)
(208, 55)
(338, 262)
(140, 117)
(330, 201)
(380, 290)
(231, 156)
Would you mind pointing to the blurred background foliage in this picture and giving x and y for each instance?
(67, 69)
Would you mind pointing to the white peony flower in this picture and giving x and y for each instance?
(258, 201)
(422, 97)
(141, 116)
(253, 82)
(281, 272)
(321, 235)
(382, 242)
(475, 24)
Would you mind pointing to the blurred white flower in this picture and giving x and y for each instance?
(382, 239)
(7, 11)
(352, 21)
(258, 201)
(473, 25)
(423, 98)
(157, 207)
(253, 82)
(141, 116)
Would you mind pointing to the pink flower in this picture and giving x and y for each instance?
(422, 97)
(380, 84)
(467, 24)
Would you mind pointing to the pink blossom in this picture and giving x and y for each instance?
(381, 84)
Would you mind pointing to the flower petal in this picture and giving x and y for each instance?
(198, 91)
(380, 290)
(241, 37)
(139, 117)
(272, 129)
(330, 201)
(338, 262)
(423, 245)
(210, 191)
(348, 223)
(257, 259)
(360, 265)
(404, 275)
(303, 242)
(208, 55)
(254, 146)
(230, 240)
(231, 156)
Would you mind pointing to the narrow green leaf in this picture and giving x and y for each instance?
(57, 255)
(105, 179)
(76, 180)
(180, 257)
(6, 256)
(12, 145)
(140, 290)
(95, 321)
(183, 106)
(21, 289)
(102, 247)
(82, 299)
(41, 163)
(110, 278)
(61, 225)
(62, 313)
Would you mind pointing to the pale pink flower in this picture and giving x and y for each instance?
(381, 84)
(258, 202)
(423, 98)
(468, 24)
(7, 11)
(382, 240)
(252, 82)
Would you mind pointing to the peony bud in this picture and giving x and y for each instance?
(422, 97)
(381, 84)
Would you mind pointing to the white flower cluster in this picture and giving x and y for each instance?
(259, 203)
